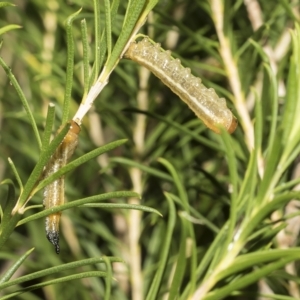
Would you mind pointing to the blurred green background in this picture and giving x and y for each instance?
(137, 106)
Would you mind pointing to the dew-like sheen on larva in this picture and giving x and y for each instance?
(205, 103)
(54, 192)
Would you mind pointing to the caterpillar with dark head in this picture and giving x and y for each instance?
(54, 192)
(205, 103)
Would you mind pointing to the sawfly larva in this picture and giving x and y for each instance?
(54, 192)
(204, 102)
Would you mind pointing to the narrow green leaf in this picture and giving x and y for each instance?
(9, 205)
(268, 232)
(266, 186)
(57, 269)
(258, 128)
(124, 206)
(11, 271)
(9, 28)
(246, 261)
(194, 259)
(8, 221)
(77, 162)
(249, 184)
(259, 49)
(180, 263)
(114, 10)
(257, 35)
(96, 65)
(131, 5)
(232, 165)
(273, 96)
(249, 279)
(259, 213)
(133, 12)
(86, 59)
(286, 160)
(198, 217)
(18, 178)
(276, 297)
(55, 281)
(3, 4)
(48, 126)
(180, 128)
(152, 293)
(23, 99)
(108, 278)
(178, 183)
(143, 167)
(212, 253)
(70, 66)
(289, 11)
(290, 121)
(108, 30)
(150, 5)
(92, 199)
(287, 185)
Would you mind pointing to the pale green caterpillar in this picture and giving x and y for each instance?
(205, 103)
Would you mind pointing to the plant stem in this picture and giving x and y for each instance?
(134, 226)
(231, 68)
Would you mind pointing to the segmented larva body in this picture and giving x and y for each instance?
(205, 103)
(54, 192)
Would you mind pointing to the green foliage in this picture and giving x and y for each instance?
(156, 200)
(7, 28)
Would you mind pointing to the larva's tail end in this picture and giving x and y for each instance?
(233, 125)
(52, 230)
(53, 237)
